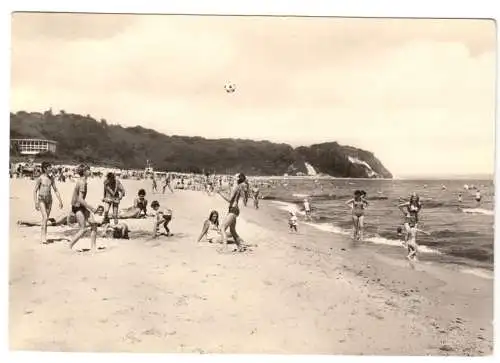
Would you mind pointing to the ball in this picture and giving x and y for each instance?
(230, 87)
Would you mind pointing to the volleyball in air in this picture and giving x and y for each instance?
(230, 87)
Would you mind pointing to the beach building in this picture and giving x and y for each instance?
(34, 146)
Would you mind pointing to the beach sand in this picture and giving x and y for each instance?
(306, 293)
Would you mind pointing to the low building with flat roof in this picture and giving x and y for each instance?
(34, 146)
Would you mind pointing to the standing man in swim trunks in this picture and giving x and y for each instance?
(82, 209)
(234, 211)
(43, 197)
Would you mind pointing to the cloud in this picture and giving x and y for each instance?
(425, 88)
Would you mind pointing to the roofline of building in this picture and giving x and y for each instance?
(52, 141)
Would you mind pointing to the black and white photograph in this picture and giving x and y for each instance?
(229, 184)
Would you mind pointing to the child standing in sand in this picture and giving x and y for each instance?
(82, 209)
(292, 221)
(43, 197)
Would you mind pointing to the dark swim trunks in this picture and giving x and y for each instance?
(235, 211)
(80, 208)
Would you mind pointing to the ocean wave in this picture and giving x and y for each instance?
(487, 212)
(485, 274)
(298, 195)
(328, 227)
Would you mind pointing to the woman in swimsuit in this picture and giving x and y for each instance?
(358, 205)
(138, 210)
(410, 211)
(211, 229)
(113, 193)
(43, 197)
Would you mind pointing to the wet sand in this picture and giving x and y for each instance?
(306, 293)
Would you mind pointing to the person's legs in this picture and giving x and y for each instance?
(226, 223)
(80, 218)
(107, 207)
(115, 213)
(360, 227)
(45, 217)
(354, 227)
(236, 237)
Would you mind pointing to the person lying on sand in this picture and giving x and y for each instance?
(211, 229)
(138, 210)
(63, 220)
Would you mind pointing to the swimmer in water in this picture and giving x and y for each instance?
(42, 195)
(211, 229)
(411, 211)
(459, 200)
(478, 197)
(358, 205)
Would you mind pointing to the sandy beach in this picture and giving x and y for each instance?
(306, 293)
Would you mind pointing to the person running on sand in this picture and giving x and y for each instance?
(211, 229)
(411, 210)
(307, 209)
(358, 205)
(256, 196)
(233, 213)
(82, 209)
(42, 195)
(113, 193)
(138, 210)
(292, 221)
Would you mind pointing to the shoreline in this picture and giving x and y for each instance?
(166, 295)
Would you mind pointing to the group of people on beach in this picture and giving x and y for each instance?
(92, 218)
(213, 230)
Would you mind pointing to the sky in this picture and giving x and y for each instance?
(418, 93)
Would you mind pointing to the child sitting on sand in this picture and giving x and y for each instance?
(292, 221)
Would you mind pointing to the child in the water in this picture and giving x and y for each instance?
(292, 221)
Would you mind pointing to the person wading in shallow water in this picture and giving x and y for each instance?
(233, 213)
(358, 205)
